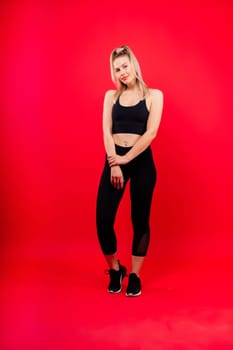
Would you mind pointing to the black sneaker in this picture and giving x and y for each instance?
(134, 286)
(116, 278)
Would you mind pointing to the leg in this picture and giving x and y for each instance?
(141, 191)
(112, 261)
(108, 200)
(137, 262)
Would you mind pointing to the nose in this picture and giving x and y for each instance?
(123, 72)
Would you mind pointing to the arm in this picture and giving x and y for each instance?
(152, 128)
(107, 124)
(117, 178)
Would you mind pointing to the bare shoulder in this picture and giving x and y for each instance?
(154, 99)
(156, 94)
(109, 95)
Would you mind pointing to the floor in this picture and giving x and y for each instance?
(54, 297)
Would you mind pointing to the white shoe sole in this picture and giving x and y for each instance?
(133, 295)
(111, 291)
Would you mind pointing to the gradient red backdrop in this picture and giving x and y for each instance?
(55, 71)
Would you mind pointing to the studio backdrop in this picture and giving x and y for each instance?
(54, 74)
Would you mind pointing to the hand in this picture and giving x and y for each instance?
(117, 178)
(117, 160)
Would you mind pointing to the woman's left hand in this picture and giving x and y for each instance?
(117, 160)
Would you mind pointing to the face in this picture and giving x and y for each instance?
(123, 70)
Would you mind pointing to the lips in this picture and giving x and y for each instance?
(124, 78)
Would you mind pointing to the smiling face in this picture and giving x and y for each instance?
(124, 71)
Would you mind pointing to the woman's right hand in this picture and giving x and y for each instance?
(117, 178)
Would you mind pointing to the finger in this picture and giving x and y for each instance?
(121, 183)
(115, 182)
(118, 183)
(112, 163)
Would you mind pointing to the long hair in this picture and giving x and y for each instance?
(122, 51)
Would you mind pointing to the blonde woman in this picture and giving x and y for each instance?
(131, 118)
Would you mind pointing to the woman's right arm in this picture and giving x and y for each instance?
(117, 178)
(107, 123)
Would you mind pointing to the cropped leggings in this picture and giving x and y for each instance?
(141, 172)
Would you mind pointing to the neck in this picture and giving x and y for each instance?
(134, 87)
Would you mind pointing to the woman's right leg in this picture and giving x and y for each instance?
(108, 200)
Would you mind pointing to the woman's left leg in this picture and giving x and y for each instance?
(141, 190)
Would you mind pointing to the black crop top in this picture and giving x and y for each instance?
(129, 119)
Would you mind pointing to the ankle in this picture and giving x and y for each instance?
(136, 273)
(112, 261)
(115, 266)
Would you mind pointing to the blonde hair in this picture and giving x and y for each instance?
(126, 51)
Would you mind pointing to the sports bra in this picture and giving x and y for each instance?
(129, 119)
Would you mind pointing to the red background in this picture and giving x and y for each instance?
(54, 66)
(55, 69)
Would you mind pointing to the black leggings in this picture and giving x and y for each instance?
(142, 173)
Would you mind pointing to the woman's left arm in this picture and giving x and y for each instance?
(152, 128)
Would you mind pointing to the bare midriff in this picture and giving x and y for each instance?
(126, 140)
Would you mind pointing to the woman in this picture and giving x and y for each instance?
(131, 118)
